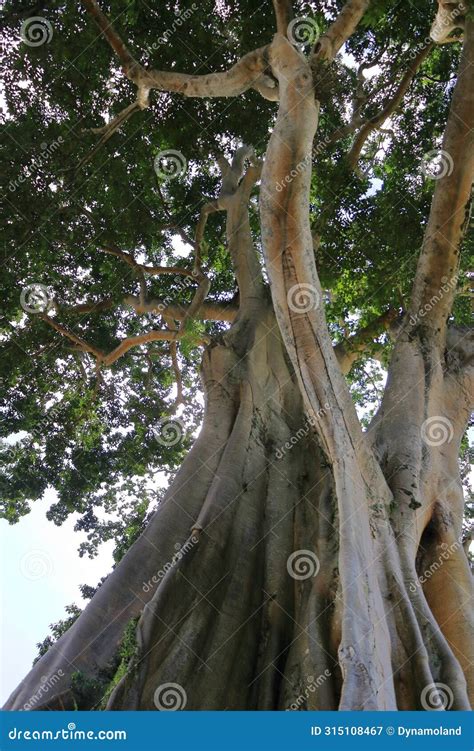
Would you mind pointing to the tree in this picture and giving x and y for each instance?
(320, 564)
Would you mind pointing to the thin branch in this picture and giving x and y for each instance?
(151, 270)
(81, 343)
(108, 130)
(136, 341)
(126, 344)
(177, 374)
(207, 209)
(78, 358)
(388, 109)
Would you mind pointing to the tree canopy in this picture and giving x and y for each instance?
(90, 224)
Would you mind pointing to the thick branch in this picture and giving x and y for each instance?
(283, 15)
(450, 16)
(233, 198)
(249, 72)
(327, 47)
(208, 208)
(209, 311)
(435, 280)
(107, 29)
(247, 267)
(349, 350)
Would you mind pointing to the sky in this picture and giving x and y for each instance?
(40, 574)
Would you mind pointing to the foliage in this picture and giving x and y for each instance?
(58, 629)
(93, 436)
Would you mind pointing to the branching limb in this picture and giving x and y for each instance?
(348, 351)
(136, 341)
(107, 359)
(389, 108)
(249, 72)
(141, 269)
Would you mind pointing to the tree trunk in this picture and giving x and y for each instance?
(321, 567)
(223, 618)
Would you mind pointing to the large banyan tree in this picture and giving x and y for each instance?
(276, 205)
